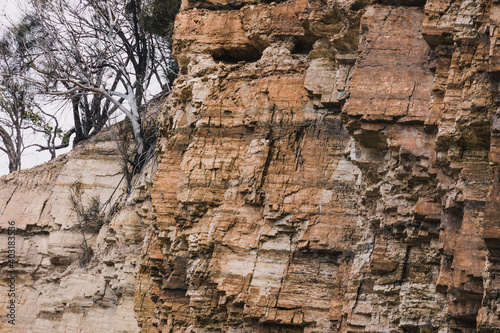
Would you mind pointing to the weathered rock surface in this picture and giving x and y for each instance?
(324, 166)
(53, 293)
(328, 167)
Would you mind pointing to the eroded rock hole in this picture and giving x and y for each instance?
(396, 3)
(453, 217)
(303, 45)
(234, 56)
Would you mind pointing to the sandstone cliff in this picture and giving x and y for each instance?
(324, 166)
(53, 293)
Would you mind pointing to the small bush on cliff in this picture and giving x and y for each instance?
(125, 143)
(90, 217)
(131, 162)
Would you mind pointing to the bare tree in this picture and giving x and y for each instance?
(98, 54)
(19, 112)
(11, 123)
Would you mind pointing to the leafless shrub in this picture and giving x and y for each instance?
(91, 218)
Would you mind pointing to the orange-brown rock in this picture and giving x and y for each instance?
(262, 211)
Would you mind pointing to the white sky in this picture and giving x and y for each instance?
(10, 11)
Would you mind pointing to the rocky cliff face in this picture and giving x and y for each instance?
(324, 166)
(52, 292)
(329, 166)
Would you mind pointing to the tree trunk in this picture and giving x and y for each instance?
(79, 135)
(14, 159)
(136, 128)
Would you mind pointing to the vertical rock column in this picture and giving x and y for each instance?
(397, 262)
(255, 200)
(462, 35)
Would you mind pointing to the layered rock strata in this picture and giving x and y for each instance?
(53, 293)
(328, 167)
(253, 172)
